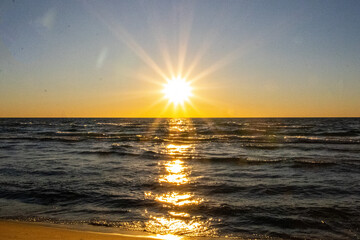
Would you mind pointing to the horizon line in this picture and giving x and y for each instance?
(177, 117)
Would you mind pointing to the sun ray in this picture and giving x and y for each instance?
(199, 55)
(209, 40)
(124, 36)
(184, 32)
(160, 38)
(248, 46)
(149, 79)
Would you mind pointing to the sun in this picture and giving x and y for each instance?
(177, 90)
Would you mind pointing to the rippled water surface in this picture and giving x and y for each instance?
(252, 178)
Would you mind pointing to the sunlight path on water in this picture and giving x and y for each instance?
(173, 199)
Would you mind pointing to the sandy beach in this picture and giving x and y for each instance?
(26, 231)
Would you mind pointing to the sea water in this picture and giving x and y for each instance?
(246, 178)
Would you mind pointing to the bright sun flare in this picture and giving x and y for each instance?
(177, 90)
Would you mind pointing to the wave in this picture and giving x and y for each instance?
(79, 134)
(253, 140)
(123, 152)
(18, 172)
(240, 160)
(350, 133)
(315, 162)
(43, 196)
(273, 190)
(267, 146)
(294, 162)
(321, 140)
(42, 138)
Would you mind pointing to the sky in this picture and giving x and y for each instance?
(242, 58)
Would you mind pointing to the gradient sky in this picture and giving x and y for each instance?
(243, 58)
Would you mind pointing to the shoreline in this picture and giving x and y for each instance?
(42, 231)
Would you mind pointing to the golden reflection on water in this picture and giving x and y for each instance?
(179, 214)
(180, 125)
(173, 149)
(176, 172)
(177, 179)
(165, 225)
(174, 198)
(176, 166)
(178, 199)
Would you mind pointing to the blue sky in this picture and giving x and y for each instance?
(261, 58)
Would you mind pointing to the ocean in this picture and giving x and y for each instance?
(265, 178)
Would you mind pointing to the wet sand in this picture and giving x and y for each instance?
(26, 231)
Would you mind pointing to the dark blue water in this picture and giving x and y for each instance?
(251, 178)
